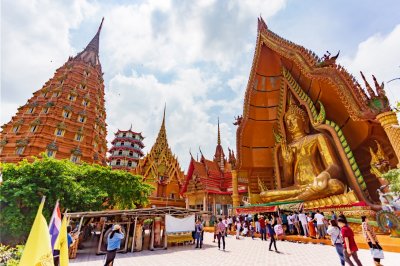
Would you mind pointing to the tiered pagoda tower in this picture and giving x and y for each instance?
(66, 117)
(160, 168)
(126, 150)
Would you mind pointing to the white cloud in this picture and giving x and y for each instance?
(378, 55)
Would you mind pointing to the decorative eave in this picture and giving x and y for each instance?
(349, 90)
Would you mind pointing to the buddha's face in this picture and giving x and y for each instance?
(294, 124)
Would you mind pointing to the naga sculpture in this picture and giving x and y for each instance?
(309, 162)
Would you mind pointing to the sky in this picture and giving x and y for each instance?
(193, 56)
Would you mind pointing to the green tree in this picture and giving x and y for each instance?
(393, 176)
(78, 187)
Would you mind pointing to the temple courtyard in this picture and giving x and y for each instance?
(238, 252)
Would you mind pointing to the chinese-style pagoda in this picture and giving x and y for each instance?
(66, 117)
(208, 184)
(126, 150)
(160, 168)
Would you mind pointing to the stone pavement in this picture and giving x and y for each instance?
(238, 252)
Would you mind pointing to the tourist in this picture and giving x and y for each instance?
(230, 222)
(225, 222)
(336, 238)
(257, 223)
(271, 233)
(199, 230)
(311, 227)
(69, 236)
(238, 228)
(304, 223)
(263, 229)
(221, 234)
(333, 216)
(372, 241)
(290, 219)
(251, 227)
(320, 224)
(245, 229)
(284, 221)
(215, 231)
(113, 244)
(296, 223)
(349, 244)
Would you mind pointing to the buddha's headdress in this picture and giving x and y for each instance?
(294, 109)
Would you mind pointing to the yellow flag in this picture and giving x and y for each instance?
(37, 249)
(62, 243)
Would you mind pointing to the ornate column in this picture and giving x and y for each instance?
(235, 190)
(205, 202)
(391, 126)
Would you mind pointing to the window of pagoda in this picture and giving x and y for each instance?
(51, 153)
(33, 128)
(45, 110)
(75, 158)
(16, 129)
(120, 152)
(30, 110)
(82, 86)
(81, 119)
(59, 132)
(66, 114)
(55, 94)
(130, 153)
(122, 143)
(85, 102)
(44, 94)
(20, 150)
(78, 137)
(129, 163)
(118, 162)
(71, 97)
(123, 135)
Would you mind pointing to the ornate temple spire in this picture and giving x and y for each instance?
(219, 134)
(261, 24)
(219, 155)
(368, 87)
(91, 53)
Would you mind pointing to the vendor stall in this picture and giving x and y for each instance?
(144, 229)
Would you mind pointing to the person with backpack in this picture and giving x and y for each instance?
(336, 238)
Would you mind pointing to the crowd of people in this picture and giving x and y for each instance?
(313, 225)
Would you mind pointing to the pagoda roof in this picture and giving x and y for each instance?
(208, 174)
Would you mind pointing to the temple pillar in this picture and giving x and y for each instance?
(391, 126)
(187, 202)
(205, 202)
(214, 206)
(235, 190)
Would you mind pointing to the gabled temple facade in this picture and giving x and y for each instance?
(208, 184)
(160, 168)
(126, 150)
(286, 78)
(65, 118)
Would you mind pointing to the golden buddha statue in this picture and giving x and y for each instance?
(309, 162)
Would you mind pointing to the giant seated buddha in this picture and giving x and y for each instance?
(309, 162)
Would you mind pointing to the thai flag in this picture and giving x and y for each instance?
(55, 224)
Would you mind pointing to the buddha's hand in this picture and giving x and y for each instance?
(321, 180)
(287, 153)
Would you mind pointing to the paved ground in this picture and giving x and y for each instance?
(238, 252)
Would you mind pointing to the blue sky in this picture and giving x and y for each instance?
(195, 56)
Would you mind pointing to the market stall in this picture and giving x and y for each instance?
(144, 229)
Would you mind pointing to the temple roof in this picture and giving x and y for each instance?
(91, 53)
